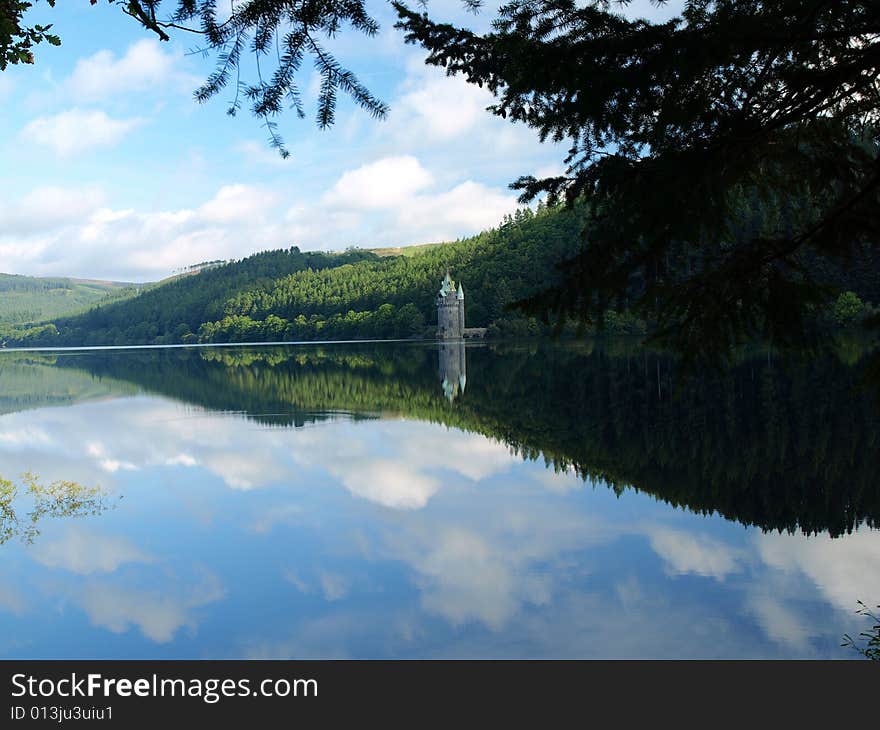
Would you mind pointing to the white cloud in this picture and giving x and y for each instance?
(487, 564)
(48, 207)
(390, 202)
(335, 587)
(561, 482)
(386, 482)
(441, 107)
(83, 553)
(468, 207)
(158, 616)
(181, 460)
(242, 471)
(291, 577)
(99, 452)
(386, 183)
(67, 231)
(235, 203)
(846, 570)
(445, 119)
(407, 477)
(64, 231)
(77, 130)
(472, 456)
(24, 438)
(145, 65)
(685, 552)
(779, 621)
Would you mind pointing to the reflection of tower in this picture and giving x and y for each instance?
(453, 369)
(450, 310)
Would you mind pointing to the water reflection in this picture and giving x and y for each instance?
(453, 368)
(24, 506)
(333, 501)
(768, 445)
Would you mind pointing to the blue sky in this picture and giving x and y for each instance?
(112, 170)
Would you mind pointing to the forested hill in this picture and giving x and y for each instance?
(27, 299)
(293, 295)
(175, 311)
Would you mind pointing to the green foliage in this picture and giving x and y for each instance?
(365, 299)
(847, 308)
(59, 499)
(622, 323)
(17, 41)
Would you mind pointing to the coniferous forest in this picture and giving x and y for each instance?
(293, 295)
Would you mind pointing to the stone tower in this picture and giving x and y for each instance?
(450, 310)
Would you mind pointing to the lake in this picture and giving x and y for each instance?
(414, 500)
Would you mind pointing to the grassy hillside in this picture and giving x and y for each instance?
(291, 295)
(26, 299)
(412, 250)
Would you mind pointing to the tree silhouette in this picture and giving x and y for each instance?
(868, 642)
(674, 127)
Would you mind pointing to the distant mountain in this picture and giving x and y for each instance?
(28, 299)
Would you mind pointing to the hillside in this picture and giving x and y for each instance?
(174, 312)
(27, 299)
(291, 295)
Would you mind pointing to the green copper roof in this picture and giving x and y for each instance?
(448, 285)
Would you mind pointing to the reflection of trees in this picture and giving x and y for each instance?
(780, 447)
(31, 380)
(58, 499)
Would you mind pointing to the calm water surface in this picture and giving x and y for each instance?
(410, 500)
